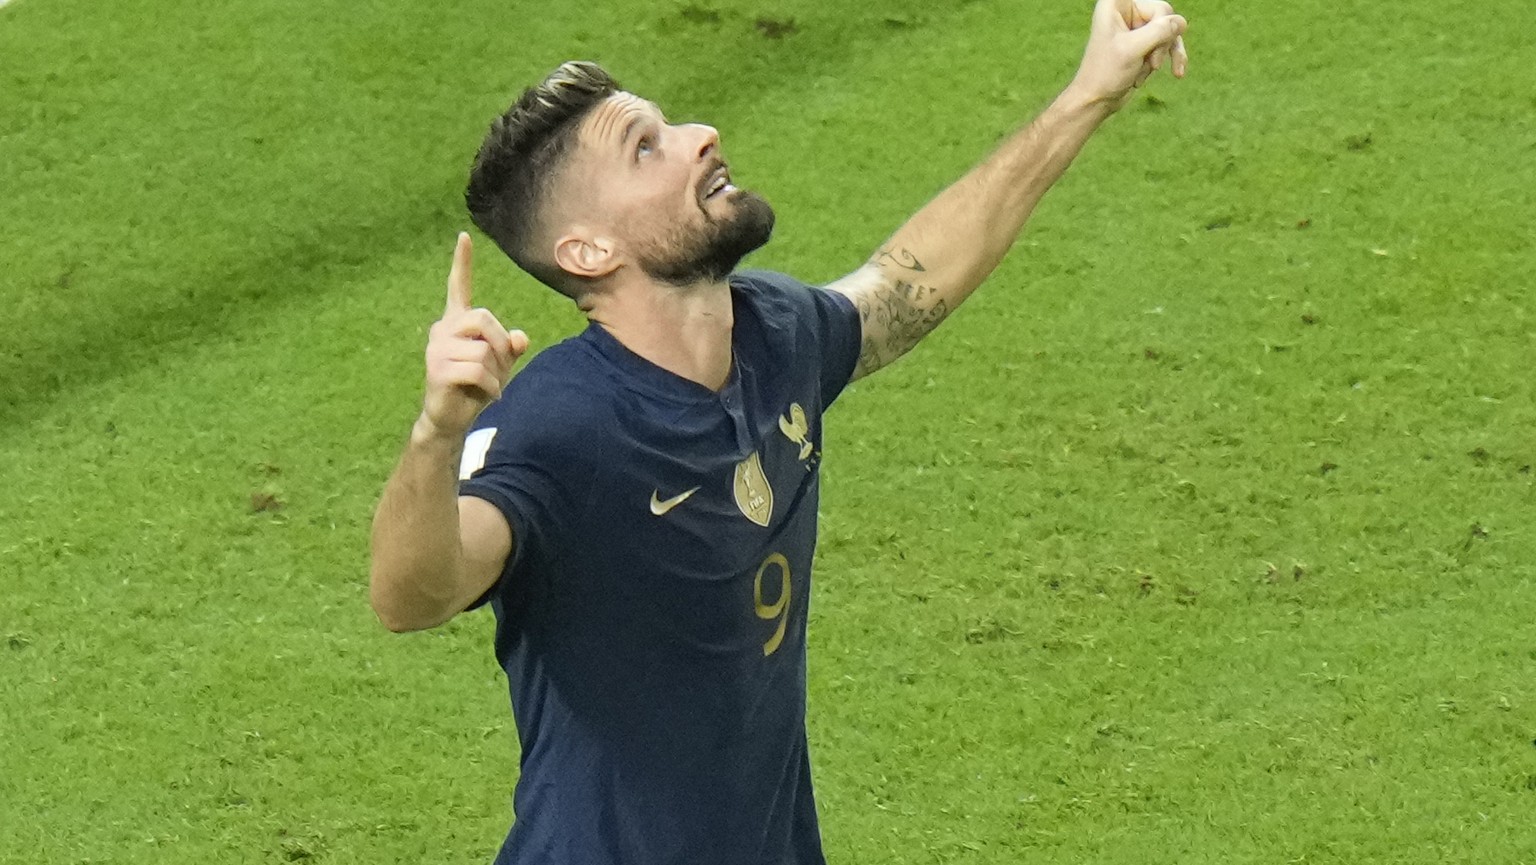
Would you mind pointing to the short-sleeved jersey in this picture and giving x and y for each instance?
(652, 618)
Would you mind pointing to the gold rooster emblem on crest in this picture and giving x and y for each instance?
(796, 429)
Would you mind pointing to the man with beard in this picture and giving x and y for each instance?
(638, 506)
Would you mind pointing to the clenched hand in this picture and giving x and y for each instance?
(1130, 40)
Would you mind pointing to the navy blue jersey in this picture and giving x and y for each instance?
(652, 619)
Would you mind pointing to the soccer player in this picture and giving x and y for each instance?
(638, 506)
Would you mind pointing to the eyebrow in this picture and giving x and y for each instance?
(635, 120)
(629, 129)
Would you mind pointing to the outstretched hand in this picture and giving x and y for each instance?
(1130, 40)
(469, 354)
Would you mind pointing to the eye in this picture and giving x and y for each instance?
(645, 147)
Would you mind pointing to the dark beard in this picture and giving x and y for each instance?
(710, 254)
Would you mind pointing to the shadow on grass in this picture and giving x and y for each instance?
(741, 58)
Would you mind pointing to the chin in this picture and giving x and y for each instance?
(735, 226)
(749, 207)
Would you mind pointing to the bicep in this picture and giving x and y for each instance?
(860, 287)
(486, 543)
(895, 312)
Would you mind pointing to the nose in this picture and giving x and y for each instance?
(709, 140)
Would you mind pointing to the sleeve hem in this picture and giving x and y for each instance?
(845, 376)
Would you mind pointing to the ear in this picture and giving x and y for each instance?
(590, 257)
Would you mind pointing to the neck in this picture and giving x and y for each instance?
(685, 330)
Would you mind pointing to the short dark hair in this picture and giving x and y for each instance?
(522, 152)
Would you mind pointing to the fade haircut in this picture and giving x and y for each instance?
(521, 155)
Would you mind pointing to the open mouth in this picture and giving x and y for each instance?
(717, 183)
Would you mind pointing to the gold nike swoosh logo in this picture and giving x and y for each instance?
(660, 508)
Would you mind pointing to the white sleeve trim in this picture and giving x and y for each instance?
(476, 447)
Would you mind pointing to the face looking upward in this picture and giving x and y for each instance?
(640, 191)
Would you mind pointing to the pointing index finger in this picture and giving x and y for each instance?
(459, 294)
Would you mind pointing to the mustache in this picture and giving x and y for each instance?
(715, 166)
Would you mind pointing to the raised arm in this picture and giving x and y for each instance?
(435, 552)
(934, 261)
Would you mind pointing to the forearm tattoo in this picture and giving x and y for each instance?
(896, 314)
(902, 258)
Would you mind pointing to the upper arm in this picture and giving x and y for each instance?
(485, 543)
(859, 286)
(896, 309)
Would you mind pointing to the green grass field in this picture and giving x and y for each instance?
(1203, 534)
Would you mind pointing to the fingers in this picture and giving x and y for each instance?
(477, 323)
(462, 322)
(1135, 13)
(470, 354)
(459, 294)
(1158, 34)
(1114, 16)
(1129, 41)
(481, 325)
(1176, 53)
(518, 341)
(1149, 11)
(467, 366)
(496, 354)
(477, 351)
(474, 337)
(473, 377)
